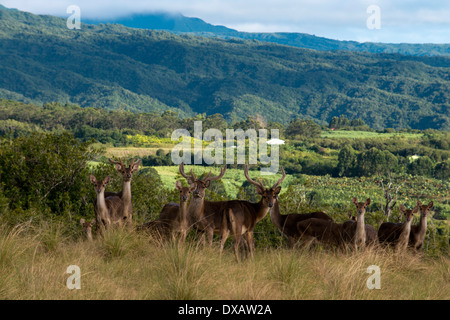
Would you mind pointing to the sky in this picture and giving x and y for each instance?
(394, 21)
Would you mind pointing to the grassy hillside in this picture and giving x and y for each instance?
(111, 66)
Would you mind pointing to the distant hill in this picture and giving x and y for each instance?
(112, 66)
(180, 24)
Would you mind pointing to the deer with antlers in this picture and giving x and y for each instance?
(287, 224)
(173, 216)
(397, 234)
(125, 193)
(108, 210)
(417, 234)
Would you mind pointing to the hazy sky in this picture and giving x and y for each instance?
(414, 21)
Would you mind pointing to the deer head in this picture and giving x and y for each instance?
(184, 191)
(126, 172)
(100, 185)
(268, 195)
(87, 227)
(352, 217)
(424, 209)
(201, 184)
(408, 213)
(361, 206)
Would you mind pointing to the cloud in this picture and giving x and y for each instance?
(330, 18)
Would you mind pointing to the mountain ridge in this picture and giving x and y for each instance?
(112, 66)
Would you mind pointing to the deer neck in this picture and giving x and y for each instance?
(126, 192)
(195, 209)
(261, 211)
(276, 217)
(89, 235)
(422, 226)
(404, 235)
(101, 204)
(360, 229)
(182, 212)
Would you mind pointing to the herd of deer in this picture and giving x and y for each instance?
(239, 217)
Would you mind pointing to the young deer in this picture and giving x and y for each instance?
(125, 193)
(357, 232)
(287, 224)
(173, 217)
(205, 216)
(108, 211)
(87, 227)
(417, 234)
(397, 234)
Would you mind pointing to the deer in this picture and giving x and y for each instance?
(324, 231)
(417, 234)
(203, 215)
(287, 224)
(108, 210)
(243, 215)
(87, 227)
(357, 232)
(173, 216)
(125, 193)
(397, 234)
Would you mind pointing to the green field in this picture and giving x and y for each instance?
(367, 134)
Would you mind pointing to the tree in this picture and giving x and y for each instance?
(303, 128)
(347, 161)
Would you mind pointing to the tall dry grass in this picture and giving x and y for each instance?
(127, 265)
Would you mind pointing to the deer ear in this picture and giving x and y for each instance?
(416, 209)
(354, 201)
(107, 179)
(178, 185)
(82, 221)
(402, 208)
(192, 186)
(419, 204)
(207, 183)
(277, 190)
(430, 205)
(93, 180)
(367, 202)
(136, 165)
(260, 190)
(93, 221)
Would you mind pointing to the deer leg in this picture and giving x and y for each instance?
(223, 238)
(250, 242)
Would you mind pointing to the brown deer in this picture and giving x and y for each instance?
(173, 217)
(417, 234)
(243, 215)
(87, 227)
(204, 216)
(287, 224)
(357, 232)
(324, 231)
(108, 211)
(397, 234)
(125, 193)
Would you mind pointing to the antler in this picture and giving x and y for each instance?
(191, 178)
(280, 180)
(117, 162)
(222, 172)
(258, 184)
